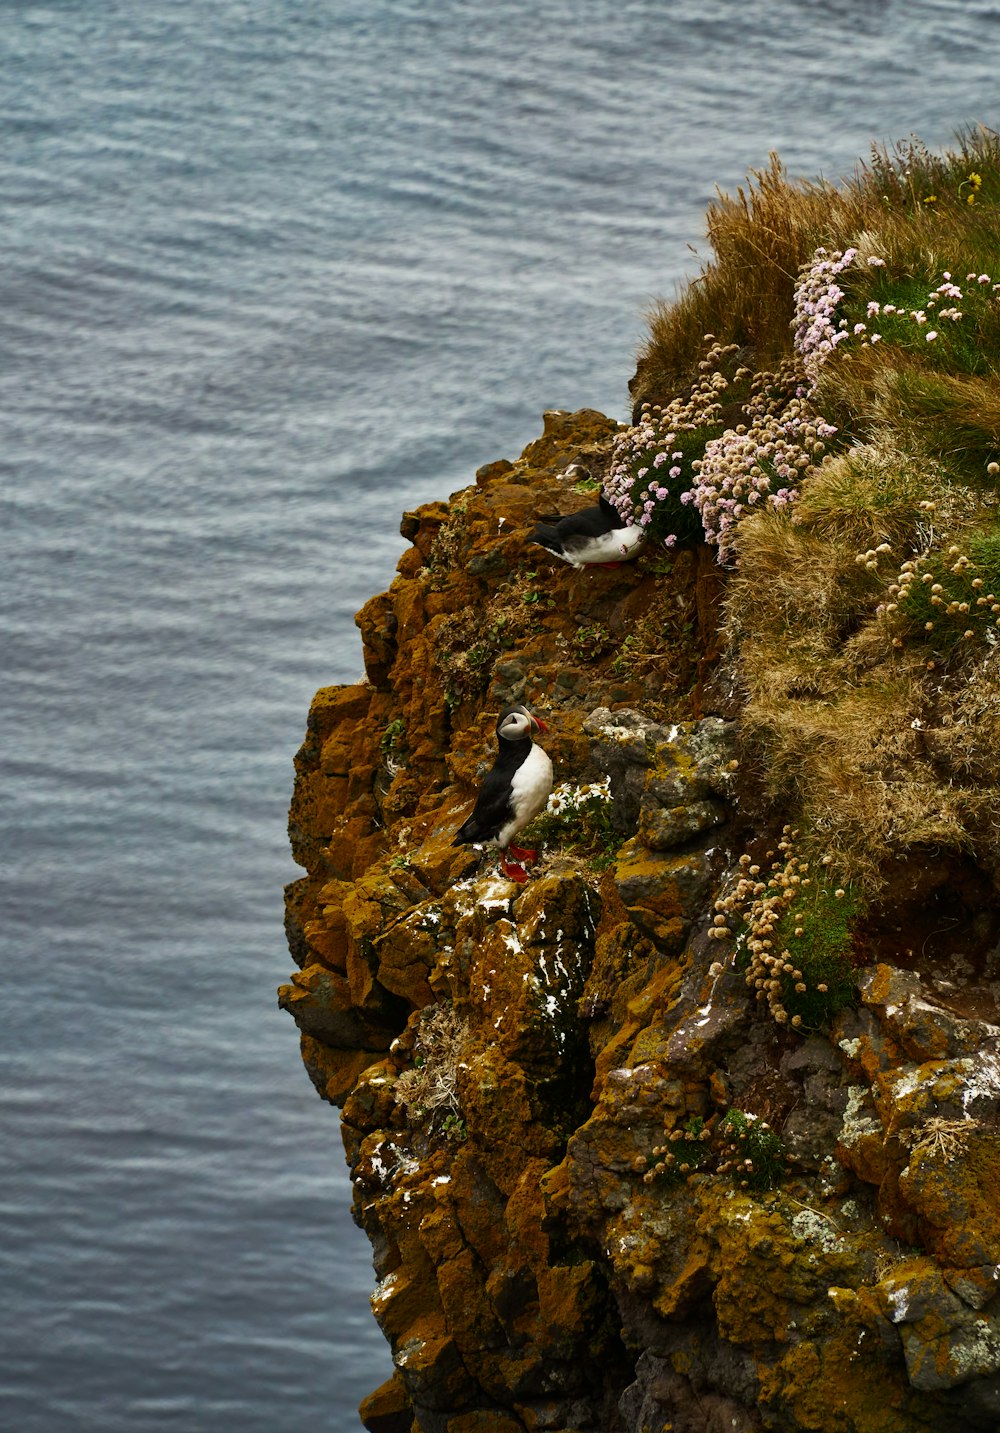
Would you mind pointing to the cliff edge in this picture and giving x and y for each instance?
(698, 1128)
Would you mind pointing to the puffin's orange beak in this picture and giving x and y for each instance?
(538, 724)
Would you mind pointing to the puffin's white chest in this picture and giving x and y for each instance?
(529, 790)
(618, 545)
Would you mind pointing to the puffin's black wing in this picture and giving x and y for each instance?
(555, 532)
(546, 534)
(493, 810)
(614, 517)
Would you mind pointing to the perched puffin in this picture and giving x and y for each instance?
(593, 535)
(513, 792)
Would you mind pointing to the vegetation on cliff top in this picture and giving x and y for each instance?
(825, 398)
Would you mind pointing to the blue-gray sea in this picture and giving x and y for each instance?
(272, 271)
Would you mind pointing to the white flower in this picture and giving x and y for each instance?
(930, 337)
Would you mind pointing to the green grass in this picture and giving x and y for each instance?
(918, 309)
(822, 953)
(953, 594)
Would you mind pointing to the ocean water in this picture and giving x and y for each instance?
(272, 271)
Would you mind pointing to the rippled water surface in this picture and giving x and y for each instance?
(273, 270)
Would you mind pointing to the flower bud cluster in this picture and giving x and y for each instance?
(761, 462)
(741, 1145)
(650, 469)
(684, 1151)
(759, 901)
(952, 595)
(816, 331)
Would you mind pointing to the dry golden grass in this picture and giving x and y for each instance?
(856, 771)
(795, 592)
(868, 495)
(873, 752)
(760, 238)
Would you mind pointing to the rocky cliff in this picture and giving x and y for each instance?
(697, 1129)
(570, 1228)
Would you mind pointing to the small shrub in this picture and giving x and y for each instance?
(793, 936)
(686, 1151)
(591, 642)
(429, 1090)
(453, 1128)
(750, 1152)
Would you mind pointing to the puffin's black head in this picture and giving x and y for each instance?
(515, 723)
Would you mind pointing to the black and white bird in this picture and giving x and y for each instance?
(512, 793)
(590, 536)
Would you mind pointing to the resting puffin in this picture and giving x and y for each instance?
(592, 535)
(513, 792)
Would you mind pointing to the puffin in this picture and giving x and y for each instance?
(597, 535)
(512, 793)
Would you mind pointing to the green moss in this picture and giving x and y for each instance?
(822, 953)
(393, 739)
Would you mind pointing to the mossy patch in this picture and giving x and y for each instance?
(792, 930)
(817, 930)
(578, 820)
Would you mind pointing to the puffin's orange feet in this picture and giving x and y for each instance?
(513, 871)
(522, 854)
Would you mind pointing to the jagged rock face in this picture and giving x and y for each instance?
(553, 1095)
